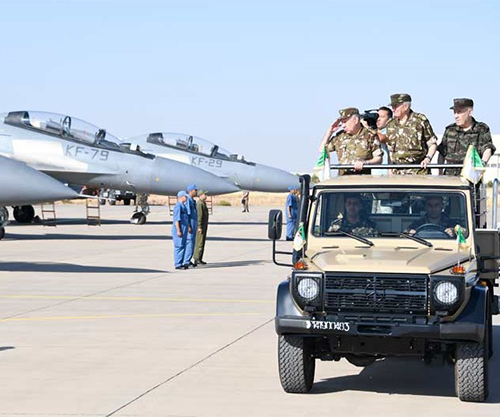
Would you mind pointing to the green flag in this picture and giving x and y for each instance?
(322, 167)
(473, 168)
(461, 242)
(300, 238)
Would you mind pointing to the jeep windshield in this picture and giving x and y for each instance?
(416, 213)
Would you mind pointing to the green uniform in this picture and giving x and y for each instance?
(456, 141)
(410, 141)
(363, 146)
(201, 236)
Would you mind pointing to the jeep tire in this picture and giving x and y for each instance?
(296, 364)
(471, 371)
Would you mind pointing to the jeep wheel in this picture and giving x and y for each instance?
(296, 364)
(471, 371)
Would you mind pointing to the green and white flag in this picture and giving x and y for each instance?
(461, 242)
(473, 168)
(322, 167)
(300, 238)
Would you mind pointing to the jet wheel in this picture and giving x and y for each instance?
(138, 218)
(24, 214)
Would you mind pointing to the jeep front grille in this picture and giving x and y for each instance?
(381, 293)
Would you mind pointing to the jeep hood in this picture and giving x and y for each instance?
(387, 260)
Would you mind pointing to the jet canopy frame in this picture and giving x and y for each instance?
(69, 128)
(195, 145)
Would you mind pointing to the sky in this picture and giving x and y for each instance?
(261, 79)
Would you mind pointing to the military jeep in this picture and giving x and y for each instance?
(390, 279)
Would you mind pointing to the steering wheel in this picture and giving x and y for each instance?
(435, 229)
(66, 126)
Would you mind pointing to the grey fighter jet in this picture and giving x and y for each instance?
(21, 186)
(216, 160)
(76, 152)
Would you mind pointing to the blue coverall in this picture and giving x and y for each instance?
(180, 215)
(193, 222)
(291, 222)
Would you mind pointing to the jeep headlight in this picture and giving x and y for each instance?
(446, 293)
(308, 288)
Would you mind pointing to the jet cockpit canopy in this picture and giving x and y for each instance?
(63, 126)
(193, 144)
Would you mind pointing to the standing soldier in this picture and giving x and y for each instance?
(244, 201)
(180, 230)
(292, 208)
(410, 137)
(193, 224)
(355, 144)
(464, 132)
(201, 235)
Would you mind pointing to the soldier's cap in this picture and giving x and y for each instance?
(399, 98)
(201, 192)
(461, 103)
(191, 187)
(348, 112)
(181, 194)
(292, 187)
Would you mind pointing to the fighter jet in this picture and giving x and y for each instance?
(22, 186)
(79, 153)
(212, 158)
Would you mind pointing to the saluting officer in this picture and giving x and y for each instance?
(410, 137)
(355, 144)
(180, 230)
(292, 207)
(201, 234)
(464, 132)
(190, 204)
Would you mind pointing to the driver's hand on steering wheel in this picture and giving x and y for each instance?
(450, 231)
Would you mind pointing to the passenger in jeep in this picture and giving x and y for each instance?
(435, 215)
(353, 220)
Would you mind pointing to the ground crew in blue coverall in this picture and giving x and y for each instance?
(192, 191)
(291, 210)
(180, 230)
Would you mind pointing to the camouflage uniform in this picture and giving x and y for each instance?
(456, 140)
(364, 227)
(444, 221)
(409, 141)
(361, 146)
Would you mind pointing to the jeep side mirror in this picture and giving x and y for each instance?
(275, 224)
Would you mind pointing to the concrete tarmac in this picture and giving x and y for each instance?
(95, 321)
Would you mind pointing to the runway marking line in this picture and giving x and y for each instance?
(122, 316)
(179, 300)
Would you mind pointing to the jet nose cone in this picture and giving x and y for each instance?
(170, 176)
(22, 185)
(274, 180)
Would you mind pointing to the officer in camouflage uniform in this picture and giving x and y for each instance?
(464, 132)
(410, 137)
(355, 144)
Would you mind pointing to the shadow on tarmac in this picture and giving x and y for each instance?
(232, 264)
(2, 348)
(411, 377)
(70, 236)
(63, 267)
(83, 222)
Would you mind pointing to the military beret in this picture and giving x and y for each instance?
(462, 102)
(348, 112)
(399, 98)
